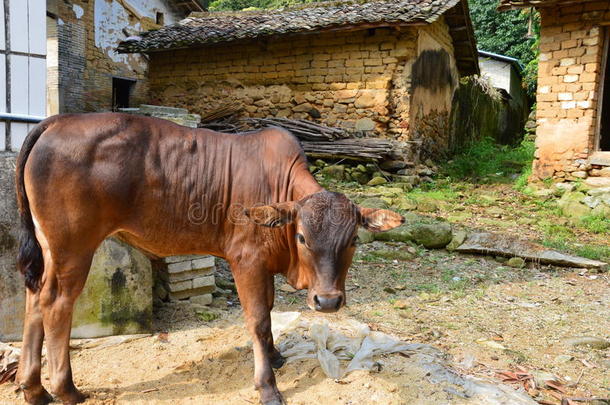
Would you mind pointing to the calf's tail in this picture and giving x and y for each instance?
(29, 259)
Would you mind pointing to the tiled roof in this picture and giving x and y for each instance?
(202, 29)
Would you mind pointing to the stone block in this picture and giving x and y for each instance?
(203, 299)
(205, 281)
(189, 275)
(178, 267)
(181, 295)
(203, 262)
(181, 286)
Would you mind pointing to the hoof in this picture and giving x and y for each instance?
(277, 361)
(40, 397)
(73, 398)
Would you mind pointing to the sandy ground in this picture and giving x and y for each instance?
(490, 318)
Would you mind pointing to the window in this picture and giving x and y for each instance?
(121, 91)
(160, 18)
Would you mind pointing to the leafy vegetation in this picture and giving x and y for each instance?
(511, 33)
(486, 158)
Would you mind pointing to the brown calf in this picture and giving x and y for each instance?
(171, 190)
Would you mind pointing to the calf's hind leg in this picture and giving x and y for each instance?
(28, 375)
(65, 279)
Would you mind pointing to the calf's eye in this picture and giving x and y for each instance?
(300, 238)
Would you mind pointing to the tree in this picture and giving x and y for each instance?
(507, 33)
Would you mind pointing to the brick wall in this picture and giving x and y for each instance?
(571, 48)
(343, 76)
(352, 79)
(86, 33)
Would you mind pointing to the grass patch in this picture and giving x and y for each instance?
(485, 158)
(596, 224)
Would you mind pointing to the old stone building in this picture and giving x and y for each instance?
(573, 114)
(84, 71)
(389, 66)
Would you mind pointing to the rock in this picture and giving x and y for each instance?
(563, 358)
(365, 236)
(393, 165)
(427, 205)
(459, 217)
(305, 107)
(370, 98)
(516, 262)
(389, 290)
(413, 180)
(361, 178)
(399, 234)
(544, 192)
(364, 124)
(336, 172)
(117, 299)
(571, 206)
(374, 202)
(591, 341)
(601, 210)
(401, 304)
(565, 186)
(287, 288)
(405, 186)
(203, 299)
(392, 254)
(436, 235)
(598, 191)
(458, 238)
(597, 182)
(504, 245)
(541, 377)
(406, 204)
(225, 284)
(579, 174)
(377, 180)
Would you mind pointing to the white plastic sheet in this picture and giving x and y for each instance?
(347, 345)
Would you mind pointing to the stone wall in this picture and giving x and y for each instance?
(352, 79)
(86, 33)
(12, 290)
(571, 48)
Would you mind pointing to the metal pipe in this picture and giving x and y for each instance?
(4, 116)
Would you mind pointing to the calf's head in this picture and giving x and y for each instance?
(325, 233)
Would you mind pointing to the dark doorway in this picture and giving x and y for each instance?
(121, 91)
(604, 120)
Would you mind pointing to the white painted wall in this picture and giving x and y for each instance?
(498, 72)
(110, 18)
(22, 67)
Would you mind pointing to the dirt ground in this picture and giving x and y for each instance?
(492, 319)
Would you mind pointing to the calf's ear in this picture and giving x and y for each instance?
(274, 215)
(378, 220)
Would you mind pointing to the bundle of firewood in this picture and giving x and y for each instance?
(302, 129)
(353, 148)
(318, 140)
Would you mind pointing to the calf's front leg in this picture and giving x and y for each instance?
(253, 288)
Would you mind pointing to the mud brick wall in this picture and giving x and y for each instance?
(358, 79)
(571, 49)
